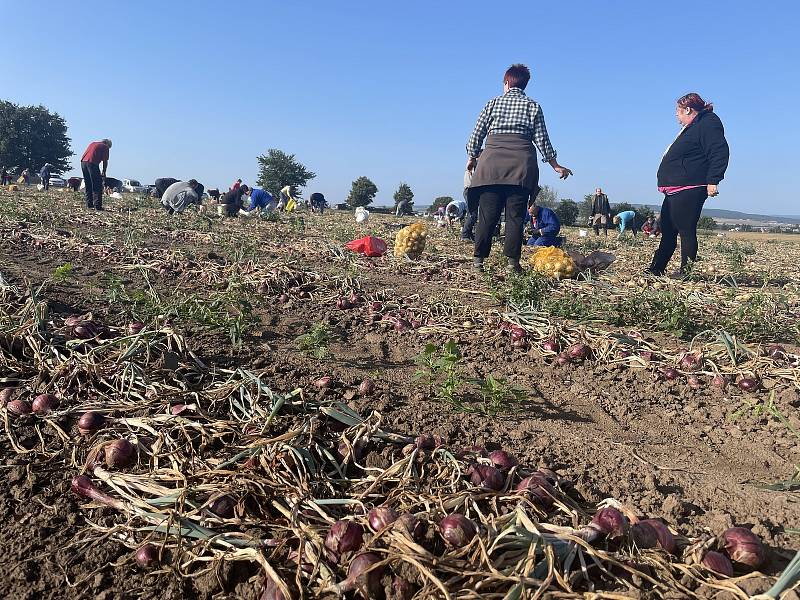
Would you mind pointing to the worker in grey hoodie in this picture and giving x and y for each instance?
(180, 195)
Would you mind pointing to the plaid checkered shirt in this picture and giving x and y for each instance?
(513, 112)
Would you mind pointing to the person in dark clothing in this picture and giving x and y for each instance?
(74, 183)
(44, 175)
(5, 178)
(318, 202)
(233, 200)
(161, 184)
(507, 174)
(601, 211)
(96, 153)
(690, 171)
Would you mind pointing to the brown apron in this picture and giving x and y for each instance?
(508, 159)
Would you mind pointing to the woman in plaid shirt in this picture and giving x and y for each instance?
(507, 174)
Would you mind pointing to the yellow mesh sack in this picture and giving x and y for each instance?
(410, 240)
(552, 262)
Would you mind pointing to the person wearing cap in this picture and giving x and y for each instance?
(96, 153)
(44, 175)
(545, 226)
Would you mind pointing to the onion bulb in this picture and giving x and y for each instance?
(691, 361)
(147, 556)
(344, 536)
(135, 327)
(323, 383)
(748, 384)
(610, 522)
(381, 517)
(665, 538)
(223, 506)
(19, 407)
(411, 526)
(402, 589)
(719, 563)
(670, 374)
(578, 351)
(486, 476)
(744, 546)
(720, 381)
(502, 460)
(457, 530)
(5, 395)
(366, 388)
(83, 486)
(518, 333)
(550, 345)
(44, 403)
(120, 454)
(364, 576)
(90, 422)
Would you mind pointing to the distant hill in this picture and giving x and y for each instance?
(735, 215)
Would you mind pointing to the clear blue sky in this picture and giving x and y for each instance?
(392, 90)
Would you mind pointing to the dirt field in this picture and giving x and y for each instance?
(223, 394)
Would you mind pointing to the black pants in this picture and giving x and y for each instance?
(46, 183)
(600, 223)
(468, 227)
(679, 216)
(493, 199)
(93, 181)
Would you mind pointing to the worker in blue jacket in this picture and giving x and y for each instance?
(544, 224)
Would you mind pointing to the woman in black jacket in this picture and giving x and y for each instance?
(690, 171)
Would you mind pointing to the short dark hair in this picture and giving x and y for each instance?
(244, 188)
(192, 183)
(517, 76)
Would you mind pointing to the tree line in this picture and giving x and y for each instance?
(31, 136)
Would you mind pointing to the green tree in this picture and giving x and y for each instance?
(31, 136)
(362, 192)
(567, 212)
(403, 194)
(440, 201)
(547, 197)
(276, 170)
(585, 208)
(706, 222)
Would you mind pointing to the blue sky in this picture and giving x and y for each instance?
(392, 90)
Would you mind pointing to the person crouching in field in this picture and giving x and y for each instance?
(74, 183)
(690, 171)
(625, 220)
(318, 202)
(545, 226)
(508, 174)
(181, 194)
(261, 200)
(651, 228)
(232, 200)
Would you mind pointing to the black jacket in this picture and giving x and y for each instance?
(698, 156)
(600, 205)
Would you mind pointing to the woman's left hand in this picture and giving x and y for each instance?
(563, 172)
(712, 190)
(471, 163)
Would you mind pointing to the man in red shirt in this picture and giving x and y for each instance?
(96, 153)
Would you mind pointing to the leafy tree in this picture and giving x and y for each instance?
(403, 194)
(706, 222)
(440, 201)
(276, 170)
(547, 197)
(362, 193)
(567, 212)
(31, 136)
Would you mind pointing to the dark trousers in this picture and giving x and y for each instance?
(679, 216)
(468, 227)
(493, 199)
(599, 223)
(94, 185)
(46, 183)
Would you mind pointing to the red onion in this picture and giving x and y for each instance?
(90, 422)
(776, 351)
(343, 304)
(691, 361)
(402, 589)
(520, 343)
(120, 454)
(365, 576)
(411, 526)
(610, 522)
(646, 355)
(354, 298)
(550, 345)
(643, 536)
(5, 395)
(323, 383)
(426, 442)
(19, 407)
(271, 591)
(366, 388)
(502, 460)
(344, 536)
(549, 476)
(748, 384)
(563, 359)
(719, 563)
(376, 306)
(720, 381)
(381, 517)
(135, 327)
(694, 382)
(83, 486)
(44, 403)
(457, 530)
(223, 506)
(670, 374)
(538, 486)
(283, 298)
(86, 330)
(486, 476)
(743, 546)
(401, 325)
(578, 351)
(665, 538)
(623, 353)
(518, 333)
(147, 556)
(73, 320)
(477, 450)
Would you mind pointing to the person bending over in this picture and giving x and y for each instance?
(93, 177)
(232, 200)
(625, 220)
(544, 224)
(260, 200)
(181, 194)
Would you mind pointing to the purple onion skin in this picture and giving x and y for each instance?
(90, 422)
(224, 507)
(381, 517)
(366, 388)
(665, 538)
(6, 394)
(120, 454)
(402, 589)
(426, 442)
(550, 345)
(719, 563)
(363, 577)
(344, 536)
(539, 488)
(643, 536)
(147, 556)
(671, 374)
(44, 403)
(19, 407)
(503, 460)
(457, 530)
(486, 476)
(578, 351)
(744, 547)
(610, 522)
(271, 591)
(747, 384)
(411, 526)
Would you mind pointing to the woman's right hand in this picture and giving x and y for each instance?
(471, 164)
